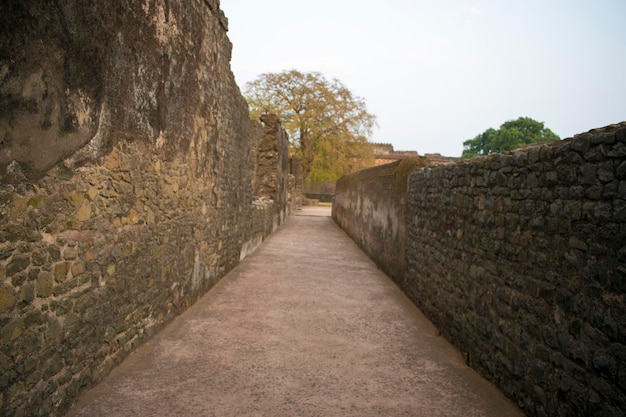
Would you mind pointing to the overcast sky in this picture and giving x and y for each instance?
(438, 72)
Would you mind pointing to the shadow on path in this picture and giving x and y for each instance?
(305, 326)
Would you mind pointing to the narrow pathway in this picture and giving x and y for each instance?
(305, 326)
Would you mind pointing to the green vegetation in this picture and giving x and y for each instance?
(509, 136)
(328, 126)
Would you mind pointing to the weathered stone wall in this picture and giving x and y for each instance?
(273, 166)
(270, 180)
(370, 205)
(85, 73)
(127, 176)
(519, 259)
(296, 183)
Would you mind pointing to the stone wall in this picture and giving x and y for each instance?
(85, 73)
(127, 170)
(272, 168)
(518, 259)
(272, 202)
(296, 184)
(370, 205)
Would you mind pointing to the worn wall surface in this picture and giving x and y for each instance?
(127, 173)
(296, 183)
(272, 168)
(271, 201)
(370, 205)
(77, 73)
(519, 259)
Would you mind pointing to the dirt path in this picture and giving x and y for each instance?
(305, 326)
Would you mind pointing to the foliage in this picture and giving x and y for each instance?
(327, 125)
(511, 135)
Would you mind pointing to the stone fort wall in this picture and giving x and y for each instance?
(370, 205)
(131, 181)
(518, 259)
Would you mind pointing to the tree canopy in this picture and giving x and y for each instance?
(328, 126)
(511, 135)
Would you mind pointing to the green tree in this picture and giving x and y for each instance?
(328, 126)
(511, 135)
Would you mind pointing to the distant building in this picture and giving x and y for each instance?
(385, 154)
(438, 159)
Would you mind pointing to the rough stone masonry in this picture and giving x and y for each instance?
(131, 181)
(518, 259)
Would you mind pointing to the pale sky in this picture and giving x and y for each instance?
(439, 72)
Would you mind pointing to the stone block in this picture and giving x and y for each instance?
(607, 138)
(60, 271)
(621, 170)
(70, 253)
(602, 212)
(55, 253)
(77, 268)
(27, 292)
(606, 172)
(595, 154)
(617, 151)
(611, 190)
(605, 364)
(588, 172)
(7, 298)
(18, 263)
(619, 214)
(71, 323)
(621, 191)
(13, 330)
(83, 213)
